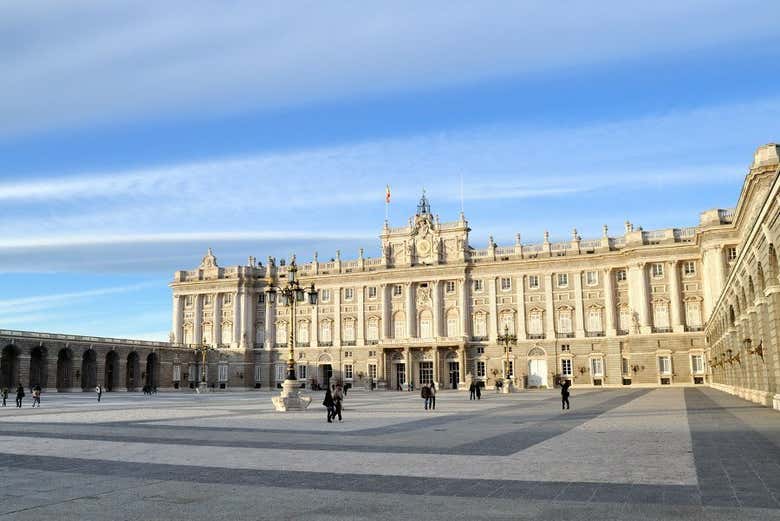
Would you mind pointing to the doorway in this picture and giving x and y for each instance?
(326, 373)
(400, 376)
(537, 373)
(454, 374)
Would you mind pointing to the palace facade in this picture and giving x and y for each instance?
(680, 306)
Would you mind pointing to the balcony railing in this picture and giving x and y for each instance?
(662, 329)
(479, 338)
(281, 344)
(694, 328)
(348, 343)
(621, 332)
(565, 335)
(594, 333)
(372, 342)
(538, 336)
(329, 343)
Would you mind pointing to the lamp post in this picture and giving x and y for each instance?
(203, 349)
(507, 339)
(290, 295)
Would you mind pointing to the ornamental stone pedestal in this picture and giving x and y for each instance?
(508, 387)
(291, 398)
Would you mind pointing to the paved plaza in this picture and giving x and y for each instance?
(672, 453)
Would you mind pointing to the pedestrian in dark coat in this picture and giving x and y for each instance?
(338, 396)
(425, 394)
(432, 396)
(5, 395)
(329, 405)
(19, 395)
(565, 394)
(472, 391)
(479, 391)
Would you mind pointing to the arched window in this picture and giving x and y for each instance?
(480, 324)
(693, 313)
(661, 314)
(227, 332)
(452, 323)
(535, 326)
(303, 332)
(349, 329)
(594, 320)
(208, 331)
(372, 329)
(326, 333)
(281, 332)
(259, 333)
(426, 325)
(399, 325)
(625, 318)
(188, 334)
(564, 320)
(506, 321)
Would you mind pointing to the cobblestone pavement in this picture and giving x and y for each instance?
(672, 453)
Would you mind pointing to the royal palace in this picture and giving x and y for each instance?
(680, 306)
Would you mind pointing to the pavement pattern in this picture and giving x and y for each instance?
(670, 453)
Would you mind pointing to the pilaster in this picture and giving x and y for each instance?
(579, 323)
(674, 297)
(217, 318)
(520, 294)
(609, 302)
(197, 319)
(493, 315)
(549, 306)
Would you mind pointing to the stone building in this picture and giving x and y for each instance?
(625, 310)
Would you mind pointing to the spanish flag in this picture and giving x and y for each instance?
(387, 194)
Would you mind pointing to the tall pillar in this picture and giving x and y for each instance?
(314, 328)
(436, 310)
(493, 316)
(411, 312)
(436, 366)
(197, 320)
(579, 305)
(772, 341)
(336, 333)
(270, 324)
(637, 295)
(462, 368)
(549, 306)
(465, 314)
(763, 331)
(178, 319)
(217, 318)
(408, 361)
(675, 297)
(247, 319)
(380, 365)
(520, 293)
(360, 333)
(609, 303)
(237, 317)
(386, 329)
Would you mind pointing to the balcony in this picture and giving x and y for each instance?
(694, 328)
(565, 335)
(621, 332)
(594, 333)
(302, 343)
(661, 329)
(537, 336)
(479, 338)
(348, 343)
(281, 344)
(329, 343)
(372, 342)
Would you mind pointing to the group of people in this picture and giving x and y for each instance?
(475, 390)
(428, 393)
(36, 395)
(332, 402)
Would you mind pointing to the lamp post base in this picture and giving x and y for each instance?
(507, 387)
(291, 398)
(203, 387)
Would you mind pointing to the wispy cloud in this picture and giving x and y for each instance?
(116, 61)
(26, 305)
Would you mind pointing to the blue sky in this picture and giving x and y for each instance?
(133, 136)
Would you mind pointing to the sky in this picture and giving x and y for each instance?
(135, 135)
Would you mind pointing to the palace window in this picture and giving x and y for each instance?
(535, 326)
(426, 328)
(398, 290)
(206, 300)
(227, 332)
(399, 326)
(565, 367)
(449, 286)
(372, 354)
(480, 369)
(533, 281)
(689, 268)
(227, 298)
(281, 372)
(302, 372)
(372, 331)
(597, 367)
(480, 350)
(188, 301)
(658, 270)
(664, 365)
(372, 371)
(564, 321)
(426, 372)
(620, 275)
(261, 298)
(281, 333)
(565, 348)
(303, 333)
(223, 373)
(349, 293)
(348, 371)
(563, 280)
(259, 333)
(176, 373)
(693, 313)
(625, 318)
(258, 373)
(479, 286)
(661, 314)
(325, 331)
(480, 325)
(347, 354)
(591, 278)
(626, 365)
(506, 322)
(506, 283)
(349, 330)
(697, 364)
(594, 320)
(325, 295)
(372, 292)
(452, 323)
(731, 253)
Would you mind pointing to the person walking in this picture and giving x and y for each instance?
(329, 404)
(5, 395)
(479, 391)
(432, 396)
(472, 391)
(338, 397)
(99, 392)
(19, 395)
(565, 394)
(425, 394)
(36, 395)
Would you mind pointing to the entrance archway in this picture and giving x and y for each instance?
(537, 367)
(111, 377)
(133, 374)
(9, 367)
(38, 367)
(64, 368)
(88, 370)
(152, 376)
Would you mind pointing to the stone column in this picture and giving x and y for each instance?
(520, 295)
(579, 305)
(493, 303)
(609, 303)
(217, 318)
(360, 333)
(385, 331)
(637, 295)
(408, 361)
(436, 366)
(336, 333)
(462, 368)
(237, 317)
(436, 310)
(314, 328)
(178, 319)
(771, 343)
(465, 313)
(675, 306)
(270, 324)
(762, 320)
(247, 319)
(197, 320)
(549, 306)
(411, 311)
(380, 365)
